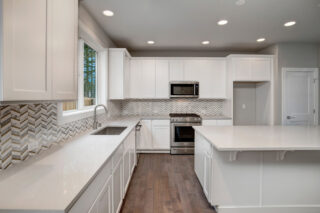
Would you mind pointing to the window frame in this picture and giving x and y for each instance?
(80, 102)
(101, 84)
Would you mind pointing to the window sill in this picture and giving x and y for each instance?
(75, 115)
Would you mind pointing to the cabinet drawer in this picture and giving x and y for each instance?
(161, 122)
(117, 156)
(209, 122)
(224, 123)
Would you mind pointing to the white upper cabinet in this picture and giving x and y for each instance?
(211, 74)
(142, 78)
(23, 51)
(176, 71)
(119, 73)
(251, 67)
(162, 79)
(62, 48)
(38, 49)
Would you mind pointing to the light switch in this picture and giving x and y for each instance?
(243, 106)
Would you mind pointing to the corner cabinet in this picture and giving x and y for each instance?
(38, 61)
(119, 73)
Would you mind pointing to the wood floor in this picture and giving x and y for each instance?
(165, 183)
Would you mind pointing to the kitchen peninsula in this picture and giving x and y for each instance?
(260, 169)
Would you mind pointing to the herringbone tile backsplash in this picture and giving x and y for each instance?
(26, 129)
(29, 128)
(164, 107)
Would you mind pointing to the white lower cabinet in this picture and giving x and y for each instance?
(117, 186)
(103, 204)
(155, 135)
(202, 164)
(107, 190)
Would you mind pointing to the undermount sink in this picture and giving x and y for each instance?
(110, 130)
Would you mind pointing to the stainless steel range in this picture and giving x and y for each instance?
(182, 133)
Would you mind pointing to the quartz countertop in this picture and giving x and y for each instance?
(53, 180)
(262, 138)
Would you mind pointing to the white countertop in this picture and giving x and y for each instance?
(261, 138)
(54, 179)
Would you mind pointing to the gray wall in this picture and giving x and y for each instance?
(244, 94)
(295, 55)
(93, 29)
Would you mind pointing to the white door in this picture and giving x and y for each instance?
(299, 96)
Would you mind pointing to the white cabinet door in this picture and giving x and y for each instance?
(62, 48)
(176, 70)
(132, 150)
(119, 74)
(143, 78)
(148, 79)
(126, 169)
(193, 70)
(117, 187)
(135, 78)
(261, 69)
(242, 69)
(103, 203)
(126, 77)
(217, 80)
(162, 79)
(207, 173)
(199, 158)
(24, 33)
(145, 135)
(161, 134)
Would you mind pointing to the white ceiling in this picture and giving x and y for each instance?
(183, 24)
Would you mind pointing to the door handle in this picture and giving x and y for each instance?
(290, 117)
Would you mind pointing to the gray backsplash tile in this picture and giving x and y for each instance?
(26, 129)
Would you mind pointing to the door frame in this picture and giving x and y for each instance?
(315, 72)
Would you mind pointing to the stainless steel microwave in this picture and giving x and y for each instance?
(184, 89)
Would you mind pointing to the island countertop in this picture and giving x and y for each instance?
(261, 138)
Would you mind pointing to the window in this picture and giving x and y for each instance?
(87, 79)
(89, 76)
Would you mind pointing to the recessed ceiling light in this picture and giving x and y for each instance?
(240, 2)
(289, 23)
(108, 13)
(222, 22)
(205, 42)
(261, 40)
(150, 42)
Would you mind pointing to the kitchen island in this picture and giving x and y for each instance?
(259, 169)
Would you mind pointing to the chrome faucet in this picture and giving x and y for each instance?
(96, 124)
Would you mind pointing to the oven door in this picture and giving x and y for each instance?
(182, 134)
